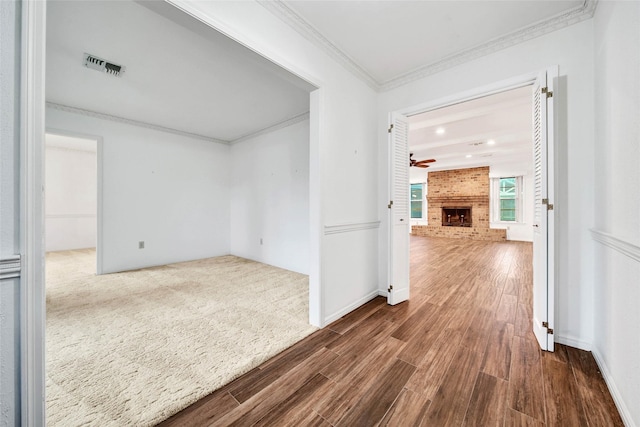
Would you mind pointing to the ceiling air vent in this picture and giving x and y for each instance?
(99, 64)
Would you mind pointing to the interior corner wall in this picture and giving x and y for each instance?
(617, 224)
(345, 156)
(570, 48)
(10, 29)
(70, 198)
(270, 198)
(167, 190)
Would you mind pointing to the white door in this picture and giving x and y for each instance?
(543, 220)
(399, 211)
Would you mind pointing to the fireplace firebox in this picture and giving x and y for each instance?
(456, 216)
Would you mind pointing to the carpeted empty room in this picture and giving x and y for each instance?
(133, 348)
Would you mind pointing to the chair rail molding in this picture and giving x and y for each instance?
(620, 245)
(349, 227)
(66, 216)
(10, 267)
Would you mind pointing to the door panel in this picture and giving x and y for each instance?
(399, 211)
(543, 241)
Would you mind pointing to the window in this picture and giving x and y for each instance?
(417, 200)
(507, 198)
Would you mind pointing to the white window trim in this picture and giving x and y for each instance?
(494, 210)
(423, 219)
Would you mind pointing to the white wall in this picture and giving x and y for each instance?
(617, 157)
(9, 210)
(572, 50)
(522, 231)
(170, 191)
(70, 196)
(270, 198)
(343, 151)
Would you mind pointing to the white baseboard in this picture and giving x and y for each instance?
(617, 398)
(573, 342)
(383, 293)
(338, 314)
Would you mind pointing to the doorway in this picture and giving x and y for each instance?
(33, 214)
(73, 194)
(539, 202)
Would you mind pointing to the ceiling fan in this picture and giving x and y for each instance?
(419, 163)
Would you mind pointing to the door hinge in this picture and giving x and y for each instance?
(390, 288)
(549, 205)
(547, 92)
(390, 204)
(546, 326)
(390, 128)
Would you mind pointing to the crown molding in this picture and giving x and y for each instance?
(298, 23)
(131, 122)
(303, 27)
(280, 125)
(540, 28)
(76, 150)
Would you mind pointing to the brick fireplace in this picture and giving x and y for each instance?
(456, 216)
(458, 206)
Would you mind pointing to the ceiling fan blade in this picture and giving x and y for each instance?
(426, 161)
(421, 166)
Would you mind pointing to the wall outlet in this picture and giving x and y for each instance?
(261, 240)
(141, 245)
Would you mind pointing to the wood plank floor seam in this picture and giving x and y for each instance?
(461, 351)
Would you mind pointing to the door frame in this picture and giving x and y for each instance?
(32, 291)
(515, 82)
(469, 95)
(32, 249)
(398, 273)
(99, 199)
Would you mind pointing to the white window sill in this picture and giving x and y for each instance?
(504, 224)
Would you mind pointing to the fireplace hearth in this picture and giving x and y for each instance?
(456, 216)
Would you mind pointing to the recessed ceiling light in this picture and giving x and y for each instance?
(491, 142)
(440, 131)
(468, 156)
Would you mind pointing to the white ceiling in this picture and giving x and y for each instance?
(387, 41)
(505, 118)
(179, 73)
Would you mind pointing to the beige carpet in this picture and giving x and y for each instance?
(131, 349)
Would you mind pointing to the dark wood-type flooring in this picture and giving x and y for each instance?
(460, 352)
